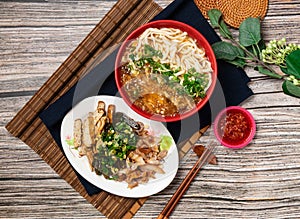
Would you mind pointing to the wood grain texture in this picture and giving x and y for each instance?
(260, 181)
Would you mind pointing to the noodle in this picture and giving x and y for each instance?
(174, 51)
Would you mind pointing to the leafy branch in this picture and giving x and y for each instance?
(251, 50)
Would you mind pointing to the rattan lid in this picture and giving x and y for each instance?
(235, 11)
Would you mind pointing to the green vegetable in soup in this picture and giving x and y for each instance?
(193, 82)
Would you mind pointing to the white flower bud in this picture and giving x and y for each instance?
(296, 82)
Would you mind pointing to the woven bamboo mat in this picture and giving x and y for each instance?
(123, 18)
(235, 11)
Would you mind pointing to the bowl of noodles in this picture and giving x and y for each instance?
(165, 70)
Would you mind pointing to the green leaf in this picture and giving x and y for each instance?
(293, 63)
(224, 31)
(262, 44)
(238, 62)
(249, 32)
(254, 51)
(257, 49)
(291, 89)
(268, 73)
(214, 17)
(227, 51)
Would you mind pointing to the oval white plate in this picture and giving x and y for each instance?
(81, 165)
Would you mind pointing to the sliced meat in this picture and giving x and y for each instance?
(98, 115)
(110, 112)
(100, 125)
(88, 135)
(77, 133)
(101, 105)
(162, 154)
(152, 167)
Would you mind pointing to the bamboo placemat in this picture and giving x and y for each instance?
(123, 18)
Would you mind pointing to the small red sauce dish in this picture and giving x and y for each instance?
(234, 127)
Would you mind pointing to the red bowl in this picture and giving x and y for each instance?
(201, 41)
(239, 120)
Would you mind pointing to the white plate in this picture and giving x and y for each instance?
(81, 165)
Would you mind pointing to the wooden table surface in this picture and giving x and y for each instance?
(259, 181)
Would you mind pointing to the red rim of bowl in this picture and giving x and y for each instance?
(192, 32)
(250, 119)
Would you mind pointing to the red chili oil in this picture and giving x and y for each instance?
(234, 127)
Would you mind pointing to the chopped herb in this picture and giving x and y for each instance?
(151, 52)
(132, 57)
(116, 142)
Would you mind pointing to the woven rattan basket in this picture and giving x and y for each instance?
(235, 11)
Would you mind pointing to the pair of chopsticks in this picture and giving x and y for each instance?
(187, 181)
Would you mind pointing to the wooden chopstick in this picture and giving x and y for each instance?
(186, 182)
